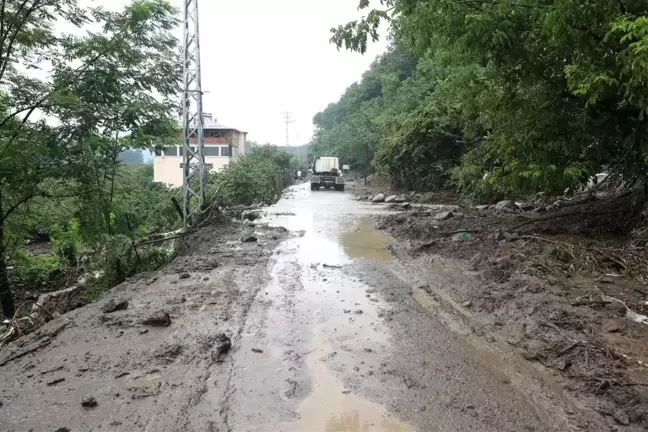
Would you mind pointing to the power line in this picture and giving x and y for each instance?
(288, 118)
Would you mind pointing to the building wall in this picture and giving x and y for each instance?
(167, 169)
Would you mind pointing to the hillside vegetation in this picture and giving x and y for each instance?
(494, 98)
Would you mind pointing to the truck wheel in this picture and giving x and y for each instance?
(314, 186)
(341, 188)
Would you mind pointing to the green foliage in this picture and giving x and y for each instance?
(251, 179)
(108, 92)
(504, 98)
(33, 272)
(67, 240)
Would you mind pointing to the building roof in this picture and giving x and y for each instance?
(208, 123)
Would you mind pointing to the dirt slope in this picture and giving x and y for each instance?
(91, 370)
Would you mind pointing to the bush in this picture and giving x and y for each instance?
(250, 179)
(33, 272)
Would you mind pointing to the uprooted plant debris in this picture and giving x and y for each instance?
(565, 282)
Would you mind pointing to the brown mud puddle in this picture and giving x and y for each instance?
(333, 408)
(366, 242)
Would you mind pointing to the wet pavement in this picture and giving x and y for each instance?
(339, 341)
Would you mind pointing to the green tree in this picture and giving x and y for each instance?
(108, 92)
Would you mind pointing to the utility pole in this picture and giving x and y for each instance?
(193, 160)
(288, 118)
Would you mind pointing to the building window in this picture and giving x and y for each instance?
(181, 150)
(170, 151)
(225, 151)
(210, 151)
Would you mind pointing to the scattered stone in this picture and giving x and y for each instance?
(507, 205)
(114, 305)
(359, 312)
(251, 215)
(88, 401)
(391, 198)
(621, 417)
(443, 215)
(203, 308)
(346, 391)
(257, 350)
(467, 304)
(611, 326)
(248, 223)
(159, 319)
(185, 276)
(55, 381)
(249, 239)
(406, 205)
(223, 345)
(482, 207)
(62, 429)
(1, 404)
(378, 198)
(499, 235)
(400, 199)
(151, 281)
(400, 218)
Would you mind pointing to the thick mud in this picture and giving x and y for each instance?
(315, 327)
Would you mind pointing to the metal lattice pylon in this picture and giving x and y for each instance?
(193, 161)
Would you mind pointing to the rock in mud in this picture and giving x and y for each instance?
(507, 205)
(443, 215)
(114, 305)
(621, 417)
(223, 345)
(62, 429)
(158, 319)
(378, 198)
(257, 350)
(248, 239)
(185, 276)
(88, 401)
(391, 198)
(611, 326)
(251, 215)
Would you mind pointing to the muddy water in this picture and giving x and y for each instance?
(339, 341)
(340, 317)
(333, 408)
(366, 242)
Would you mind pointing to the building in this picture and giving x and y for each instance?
(222, 144)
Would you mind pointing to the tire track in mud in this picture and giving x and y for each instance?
(267, 376)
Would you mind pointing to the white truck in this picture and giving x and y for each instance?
(326, 172)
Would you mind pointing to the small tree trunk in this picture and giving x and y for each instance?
(6, 298)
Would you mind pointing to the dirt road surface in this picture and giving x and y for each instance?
(328, 333)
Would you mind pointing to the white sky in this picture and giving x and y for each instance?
(260, 58)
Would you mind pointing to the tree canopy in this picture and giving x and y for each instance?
(495, 97)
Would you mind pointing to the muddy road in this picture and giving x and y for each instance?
(328, 333)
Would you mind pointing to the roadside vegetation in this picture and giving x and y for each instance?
(495, 98)
(77, 109)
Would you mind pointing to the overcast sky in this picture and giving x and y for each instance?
(261, 58)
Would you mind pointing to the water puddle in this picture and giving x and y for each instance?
(366, 242)
(333, 408)
(422, 297)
